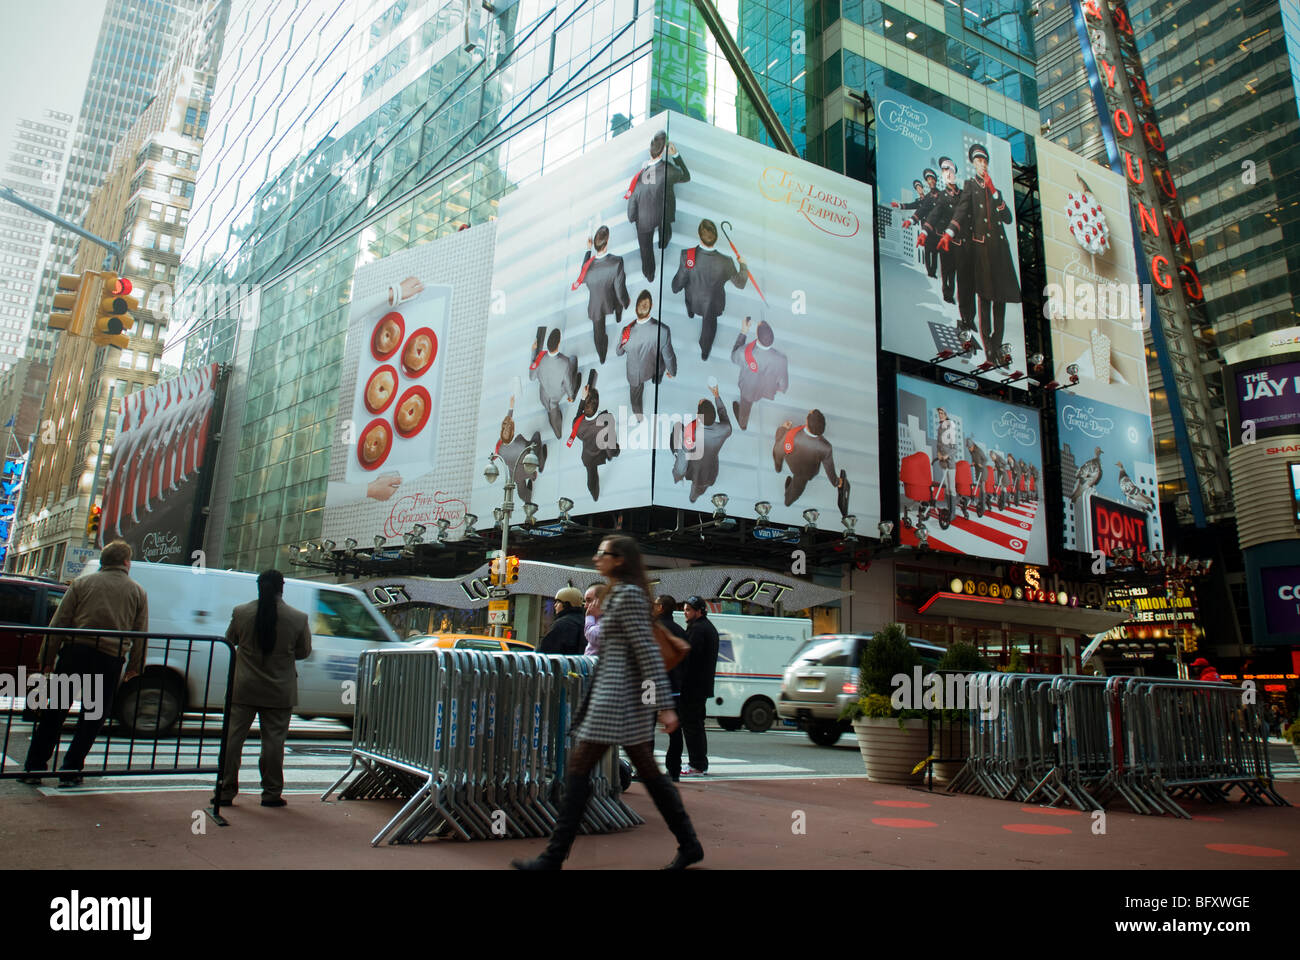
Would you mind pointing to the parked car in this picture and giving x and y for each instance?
(25, 601)
(823, 680)
(470, 641)
(186, 600)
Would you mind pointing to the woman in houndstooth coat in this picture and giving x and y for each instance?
(628, 690)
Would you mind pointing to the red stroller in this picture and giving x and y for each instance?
(919, 487)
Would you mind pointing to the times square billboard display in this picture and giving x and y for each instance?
(755, 380)
(684, 313)
(949, 266)
(161, 470)
(1094, 310)
(970, 472)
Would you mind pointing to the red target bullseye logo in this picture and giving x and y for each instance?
(1017, 544)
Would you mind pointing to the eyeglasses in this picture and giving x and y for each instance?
(604, 553)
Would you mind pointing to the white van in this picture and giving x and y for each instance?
(753, 653)
(186, 600)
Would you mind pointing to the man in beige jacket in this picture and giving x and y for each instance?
(269, 635)
(106, 600)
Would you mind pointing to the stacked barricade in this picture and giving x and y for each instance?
(475, 743)
(1085, 740)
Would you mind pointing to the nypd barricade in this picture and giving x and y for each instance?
(475, 743)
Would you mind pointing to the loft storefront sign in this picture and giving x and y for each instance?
(761, 587)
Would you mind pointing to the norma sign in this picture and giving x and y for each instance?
(1116, 527)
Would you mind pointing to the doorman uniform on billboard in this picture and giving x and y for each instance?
(924, 205)
(954, 262)
(805, 450)
(598, 434)
(557, 378)
(648, 346)
(698, 443)
(764, 371)
(602, 274)
(980, 213)
(704, 273)
(652, 201)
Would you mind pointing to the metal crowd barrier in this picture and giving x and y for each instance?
(182, 673)
(474, 742)
(1085, 740)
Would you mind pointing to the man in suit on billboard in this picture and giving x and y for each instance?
(648, 346)
(954, 262)
(652, 200)
(606, 287)
(557, 378)
(764, 371)
(980, 214)
(704, 273)
(806, 450)
(697, 445)
(511, 446)
(598, 433)
(926, 198)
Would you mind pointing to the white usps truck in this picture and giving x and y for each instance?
(753, 653)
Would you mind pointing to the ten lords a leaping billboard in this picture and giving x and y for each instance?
(685, 313)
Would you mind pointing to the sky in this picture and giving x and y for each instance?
(47, 68)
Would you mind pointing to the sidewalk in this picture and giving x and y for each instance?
(849, 824)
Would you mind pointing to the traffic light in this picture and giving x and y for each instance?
(92, 522)
(512, 569)
(114, 316)
(494, 572)
(72, 304)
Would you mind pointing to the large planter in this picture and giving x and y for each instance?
(890, 751)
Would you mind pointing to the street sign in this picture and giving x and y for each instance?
(957, 380)
(496, 593)
(498, 611)
(76, 561)
(789, 535)
(550, 530)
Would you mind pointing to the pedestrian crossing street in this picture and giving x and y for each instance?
(311, 766)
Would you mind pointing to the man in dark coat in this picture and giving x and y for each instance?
(764, 371)
(599, 435)
(704, 273)
(511, 446)
(697, 684)
(652, 200)
(954, 262)
(697, 445)
(557, 378)
(806, 449)
(648, 346)
(924, 204)
(566, 636)
(663, 614)
(606, 288)
(980, 214)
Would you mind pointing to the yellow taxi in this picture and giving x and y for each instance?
(470, 641)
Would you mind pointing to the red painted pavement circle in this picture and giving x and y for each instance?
(1246, 850)
(1041, 829)
(911, 804)
(1052, 811)
(902, 823)
(1206, 817)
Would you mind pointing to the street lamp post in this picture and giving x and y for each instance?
(526, 459)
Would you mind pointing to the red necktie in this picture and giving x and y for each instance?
(534, 364)
(789, 437)
(582, 275)
(497, 448)
(627, 332)
(632, 186)
(574, 432)
(690, 258)
(688, 435)
(749, 356)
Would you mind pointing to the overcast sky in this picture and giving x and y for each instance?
(47, 60)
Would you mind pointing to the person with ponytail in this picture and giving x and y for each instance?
(269, 636)
(629, 689)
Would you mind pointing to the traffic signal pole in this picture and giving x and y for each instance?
(99, 459)
(7, 193)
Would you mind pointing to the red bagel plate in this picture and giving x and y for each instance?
(388, 444)
(433, 352)
(423, 394)
(365, 396)
(396, 318)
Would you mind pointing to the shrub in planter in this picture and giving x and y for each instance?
(892, 741)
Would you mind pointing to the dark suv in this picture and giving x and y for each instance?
(29, 602)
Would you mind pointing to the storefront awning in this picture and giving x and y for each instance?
(1089, 620)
